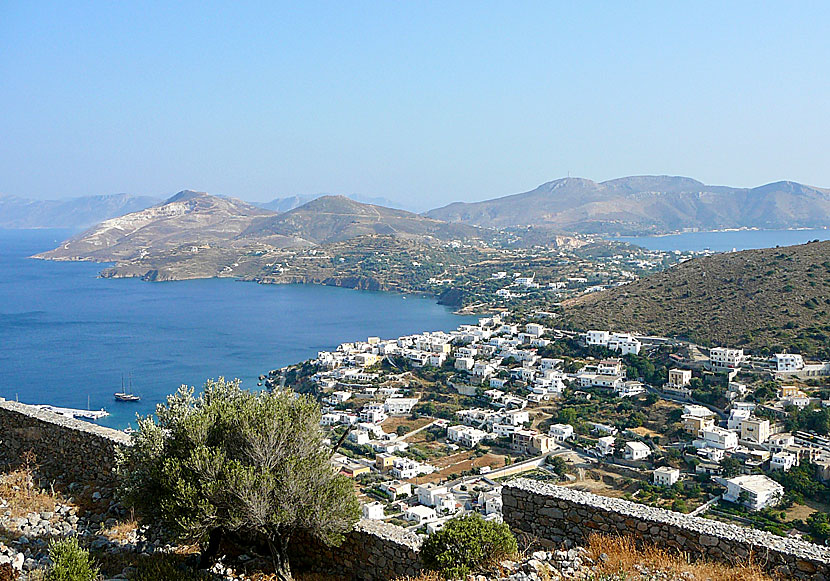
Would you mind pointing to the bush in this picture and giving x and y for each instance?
(466, 544)
(70, 562)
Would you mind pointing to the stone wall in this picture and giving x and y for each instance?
(72, 450)
(555, 513)
(65, 449)
(374, 551)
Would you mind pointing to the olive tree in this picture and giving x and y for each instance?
(247, 467)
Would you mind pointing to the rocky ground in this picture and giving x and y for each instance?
(91, 515)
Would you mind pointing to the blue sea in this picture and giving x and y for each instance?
(68, 337)
(727, 241)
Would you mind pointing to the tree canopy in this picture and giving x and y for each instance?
(231, 463)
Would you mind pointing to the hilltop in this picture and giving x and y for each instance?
(337, 218)
(647, 205)
(187, 218)
(290, 202)
(74, 213)
(775, 298)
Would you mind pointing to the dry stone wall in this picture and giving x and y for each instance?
(71, 450)
(374, 551)
(74, 450)
(555, 513)
(65, 449)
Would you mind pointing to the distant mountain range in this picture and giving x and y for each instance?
(74, 213)
(647, 205)
(635, 205)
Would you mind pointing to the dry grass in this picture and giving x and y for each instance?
(391, 424)
(18, 488)
(8, 573)
(624, 555)
(424, 576)
(121, 531)
(303, 577)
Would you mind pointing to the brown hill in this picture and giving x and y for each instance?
(775, 298)
(335, 218)
(186, 218)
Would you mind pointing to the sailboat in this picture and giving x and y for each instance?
(126, 394)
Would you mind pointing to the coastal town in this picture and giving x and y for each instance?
(511, 271)
(429, 425)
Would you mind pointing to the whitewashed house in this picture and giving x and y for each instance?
(716, 437)
(430, 494)
(373, 511)
(624, 343)
(754, 491)
(666, 476)
(399, 406)
(420, 514)
(465, 435)
(561, 432)
(396, 489)
(605, 445)
(373, 414)
(629, 389)
(610, 367)
(788, 362)
(783, 461)
(726, 358)
(636, 451)
(598, 338)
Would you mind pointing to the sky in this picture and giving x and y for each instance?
(420, 102)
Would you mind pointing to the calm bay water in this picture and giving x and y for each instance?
(67, 337)
(726, 241)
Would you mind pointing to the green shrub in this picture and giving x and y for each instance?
(70, 562)
(466, 544)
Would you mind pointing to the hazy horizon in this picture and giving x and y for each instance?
(408, 204)
(423, 104)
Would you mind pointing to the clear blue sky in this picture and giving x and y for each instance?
(419, 102)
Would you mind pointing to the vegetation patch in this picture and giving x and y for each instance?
(468, 544)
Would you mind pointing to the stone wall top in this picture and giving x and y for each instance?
(48, 417)
(641, 512)
(390, 532)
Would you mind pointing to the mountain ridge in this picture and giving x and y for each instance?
(336, 218)
(288, 203)
(199, 219)
(646, 205)
(75, 213)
